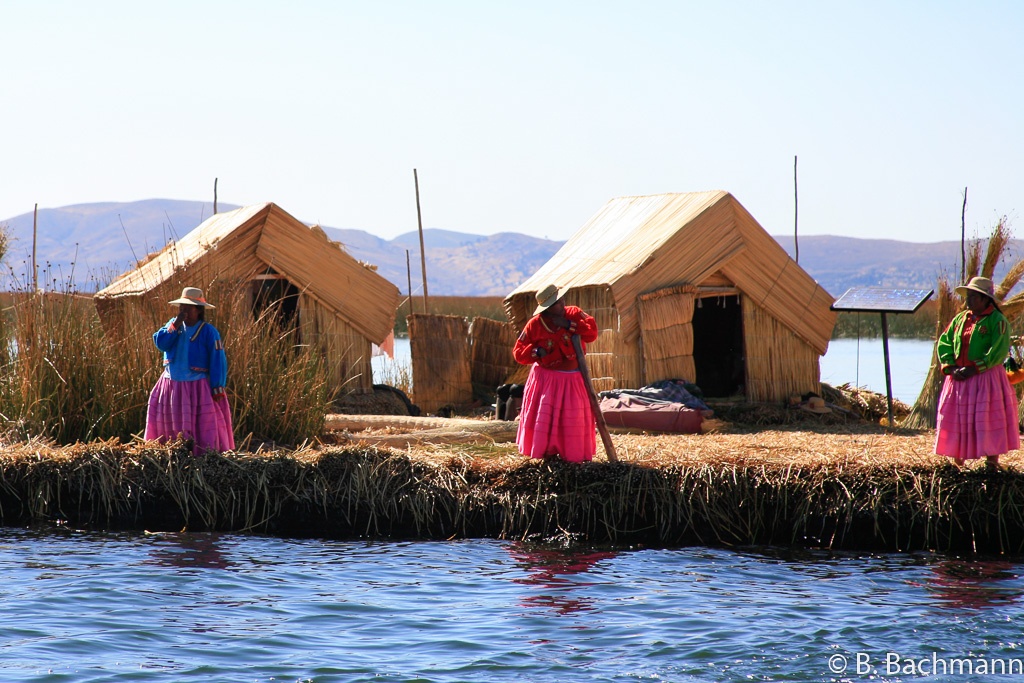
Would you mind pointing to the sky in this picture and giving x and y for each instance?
(521, 116)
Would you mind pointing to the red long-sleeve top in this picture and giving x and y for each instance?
(556, 341)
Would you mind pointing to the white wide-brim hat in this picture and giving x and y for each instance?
(547, 297)
(194, 296)
(982, 285)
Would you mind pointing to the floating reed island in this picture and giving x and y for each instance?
(839, 486)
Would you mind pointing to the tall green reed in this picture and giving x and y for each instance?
(69, 377)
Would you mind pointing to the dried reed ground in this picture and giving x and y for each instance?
(824, 485)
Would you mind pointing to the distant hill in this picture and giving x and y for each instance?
(92, 243)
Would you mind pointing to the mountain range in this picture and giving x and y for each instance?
(90, 244)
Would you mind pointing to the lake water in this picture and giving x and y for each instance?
(103, 607)
(859, 363)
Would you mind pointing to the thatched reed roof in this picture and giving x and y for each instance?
(635, 245)
(245, 242)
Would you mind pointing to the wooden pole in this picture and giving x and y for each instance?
(595, 406)
(215, 196)
(796, 206)
(888, 380)
(408, 274)
(423, 254)
(35, 275)
(963, 238)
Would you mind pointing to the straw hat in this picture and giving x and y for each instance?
(982, 285)
(816, 404)
(194, 296)
(547, 297)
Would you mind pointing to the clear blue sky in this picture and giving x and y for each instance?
(521, 116)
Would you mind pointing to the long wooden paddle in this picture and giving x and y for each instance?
(595, 406)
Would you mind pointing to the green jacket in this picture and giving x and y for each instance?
(989, 343)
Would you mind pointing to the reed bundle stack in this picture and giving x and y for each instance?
(855, 490)
(683, 285)
(441, 376)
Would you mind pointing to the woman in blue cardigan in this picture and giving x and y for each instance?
(190, 399)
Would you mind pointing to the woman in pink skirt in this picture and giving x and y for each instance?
(190, 399)
(977, 408)
(555, 418)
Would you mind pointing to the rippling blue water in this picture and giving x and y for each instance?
(205, 607)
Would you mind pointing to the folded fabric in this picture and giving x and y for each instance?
(665, 390)
(653, 415)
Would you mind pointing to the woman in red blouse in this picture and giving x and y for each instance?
(555, 418)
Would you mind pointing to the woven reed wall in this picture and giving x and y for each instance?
(491, 363)
(345, 349)
(778, 362)
(666, 333)
(440, 361)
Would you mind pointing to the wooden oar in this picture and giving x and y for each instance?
(595, 406)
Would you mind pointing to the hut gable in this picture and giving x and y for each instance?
(634, 245)
(247, 241)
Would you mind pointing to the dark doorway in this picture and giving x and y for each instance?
(275, 296)
(718, 345)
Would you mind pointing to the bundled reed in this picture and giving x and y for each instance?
(854, 491)
(440, 362)
(923, 414)
(666, 318)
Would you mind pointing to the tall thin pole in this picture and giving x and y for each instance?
(796, 206)
(214, 195)
(963, 238)
(888, 378)
(423, 254)
(35, 275)
(408, 274)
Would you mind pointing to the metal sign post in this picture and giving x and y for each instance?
(883, 300)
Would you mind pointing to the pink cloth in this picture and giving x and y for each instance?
(555, 417)
(188, 409)
(977, 417)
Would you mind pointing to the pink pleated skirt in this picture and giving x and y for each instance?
(187, 409)
(555, 418)
(977, 417)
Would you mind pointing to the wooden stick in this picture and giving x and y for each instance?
(595, 406)
(408, 274)
(35, 273)
(796, 206)
(423, 253)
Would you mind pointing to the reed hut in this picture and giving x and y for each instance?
(689, 286)
(270, 258)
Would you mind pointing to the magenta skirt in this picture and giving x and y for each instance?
(977, 417)
(187, 409)
(555, 418)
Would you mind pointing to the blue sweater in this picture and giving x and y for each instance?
(205, 351)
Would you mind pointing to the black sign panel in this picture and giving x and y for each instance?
(882, 300)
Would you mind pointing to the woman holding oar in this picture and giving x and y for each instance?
(556, 416)
(977, 415)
